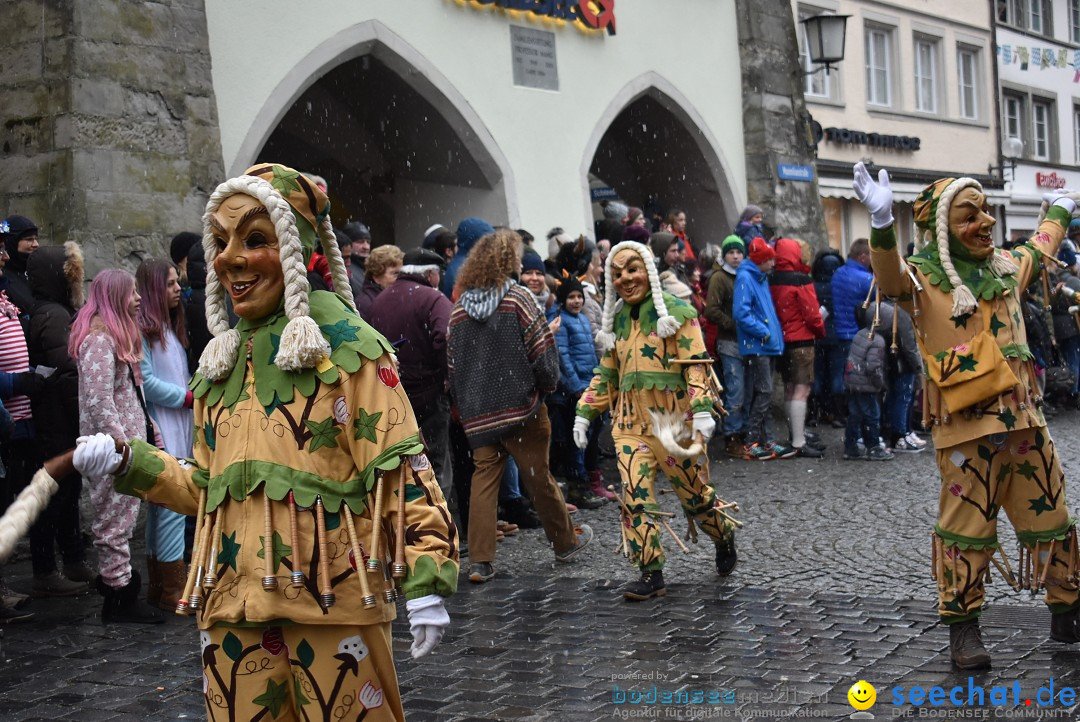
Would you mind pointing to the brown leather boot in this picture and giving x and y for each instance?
(153, 584)
(966, 647)
(173, 579)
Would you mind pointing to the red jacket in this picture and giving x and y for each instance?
(794, 297)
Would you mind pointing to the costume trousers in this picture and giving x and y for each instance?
(112, 527)
(1019, 472)
(528, 444)
(640, 458)
(300, 672)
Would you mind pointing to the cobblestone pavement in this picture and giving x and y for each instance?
(832, 587)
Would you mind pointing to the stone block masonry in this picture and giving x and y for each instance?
(108, 133)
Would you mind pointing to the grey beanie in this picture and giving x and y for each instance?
(749, 212)
(615, 210)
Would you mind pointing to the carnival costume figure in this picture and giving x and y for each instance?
(993, 449)
(314, 500)
(651, 341)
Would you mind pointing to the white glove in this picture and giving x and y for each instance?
(581, 432)
(877, 197)
(1057, 199)
(427, 622)
(96, 456)
(824, 312)
(705, 424)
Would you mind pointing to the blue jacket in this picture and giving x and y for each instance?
(756, 325)
(850, 285)
(577, 354)
(749, 231)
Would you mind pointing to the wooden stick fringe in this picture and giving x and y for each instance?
(358, 558)
(297, 578)
(200, 521)
(376, 526)
(399, 568)
(326, 590)
(269, 581)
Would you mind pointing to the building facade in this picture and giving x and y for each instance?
(432, 110)
(914, 94)
(1038, 58)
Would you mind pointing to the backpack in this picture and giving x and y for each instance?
(865, 368)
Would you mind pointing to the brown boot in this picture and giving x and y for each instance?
(173, 579)
(153, 585)
(966, 647)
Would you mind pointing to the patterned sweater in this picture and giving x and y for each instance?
(502, 359)
(329, 432)
(641, 373)
(943, 338)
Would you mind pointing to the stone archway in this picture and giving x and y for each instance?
(651, 144)
(398, 146)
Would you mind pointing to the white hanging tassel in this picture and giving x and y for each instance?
(963, 301)
(302, 345)
(220, 355)
(1002, 265)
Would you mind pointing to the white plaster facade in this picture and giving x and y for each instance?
(1040, 101)
(534, 147)
(889, 44)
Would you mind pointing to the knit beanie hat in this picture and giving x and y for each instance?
(469, 231)
(431, 234)
(931, 212)
(731, 242)
(181, 244)
(12, 230)
(666, 326)
(660, 242)
(761, 252)
(633, 214)
(300, 213)
(615, 210)
(638, 234)
(568, 286)
(749, 212)
(531, 261)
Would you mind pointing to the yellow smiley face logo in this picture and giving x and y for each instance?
(862, 695)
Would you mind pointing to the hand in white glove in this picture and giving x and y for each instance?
(581, 432)
(427, 622)
(1063, 201)
(705, 424)
(824, 312)
(96, 456)
(877, 197)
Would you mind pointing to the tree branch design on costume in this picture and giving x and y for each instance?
(960, 604)
(988, 455)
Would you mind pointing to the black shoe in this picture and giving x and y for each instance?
(123, 606)
(520, 511)
(814, 442)
(725, 555)
(579, 495)
(10, 615)
(966, 647)
(650, 585)
(481, 572)
(810, 452)
(1065, 626)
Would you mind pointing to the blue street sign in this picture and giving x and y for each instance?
(795, 172)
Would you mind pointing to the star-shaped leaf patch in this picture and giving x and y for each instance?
(284, 180)
(684, 343)
(323, 433)
(339, 333)
(229, 550)
(364, 425)
(273, 698)
(1026, 469)
(996, 324)
(967, 362)
(1039, 505)
(1008, 418)
(648, 351)
(281, 550)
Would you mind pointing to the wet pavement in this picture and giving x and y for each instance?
(832, 587)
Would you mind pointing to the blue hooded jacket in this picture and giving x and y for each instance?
(757, 326)
(850, 285)
(577, 354)
(469, 231)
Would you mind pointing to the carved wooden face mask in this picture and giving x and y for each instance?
(248, 263)
(630, 277)
(970, 222)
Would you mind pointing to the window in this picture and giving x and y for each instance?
(1076, 135)
(1035, 17)
(817, 84)
(1074, 20)
(878, 66)
(925, 75)
(1042, 118)
(1014, 116)
(967, 73)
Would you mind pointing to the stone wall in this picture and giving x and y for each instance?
(109, 132)
(773, 112)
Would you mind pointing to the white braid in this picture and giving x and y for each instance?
(963, 299)
(666, 326)
(338, 272)
(302, 344)
(26, 508)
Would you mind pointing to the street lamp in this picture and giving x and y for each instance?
(825, 40)
(1011, 151)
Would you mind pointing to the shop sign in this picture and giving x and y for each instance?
(532, 53)
(795, 172)
(589, 15)
(875, 140)
(1049, 180)
(603, 193)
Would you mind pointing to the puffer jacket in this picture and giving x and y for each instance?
(56, 279)
(194, 300)
(865, 369)
(1065, 322)
(825, 265)
(906, 358)
(577, 355)
(850, 286)
(756, 324)
(794, 297)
